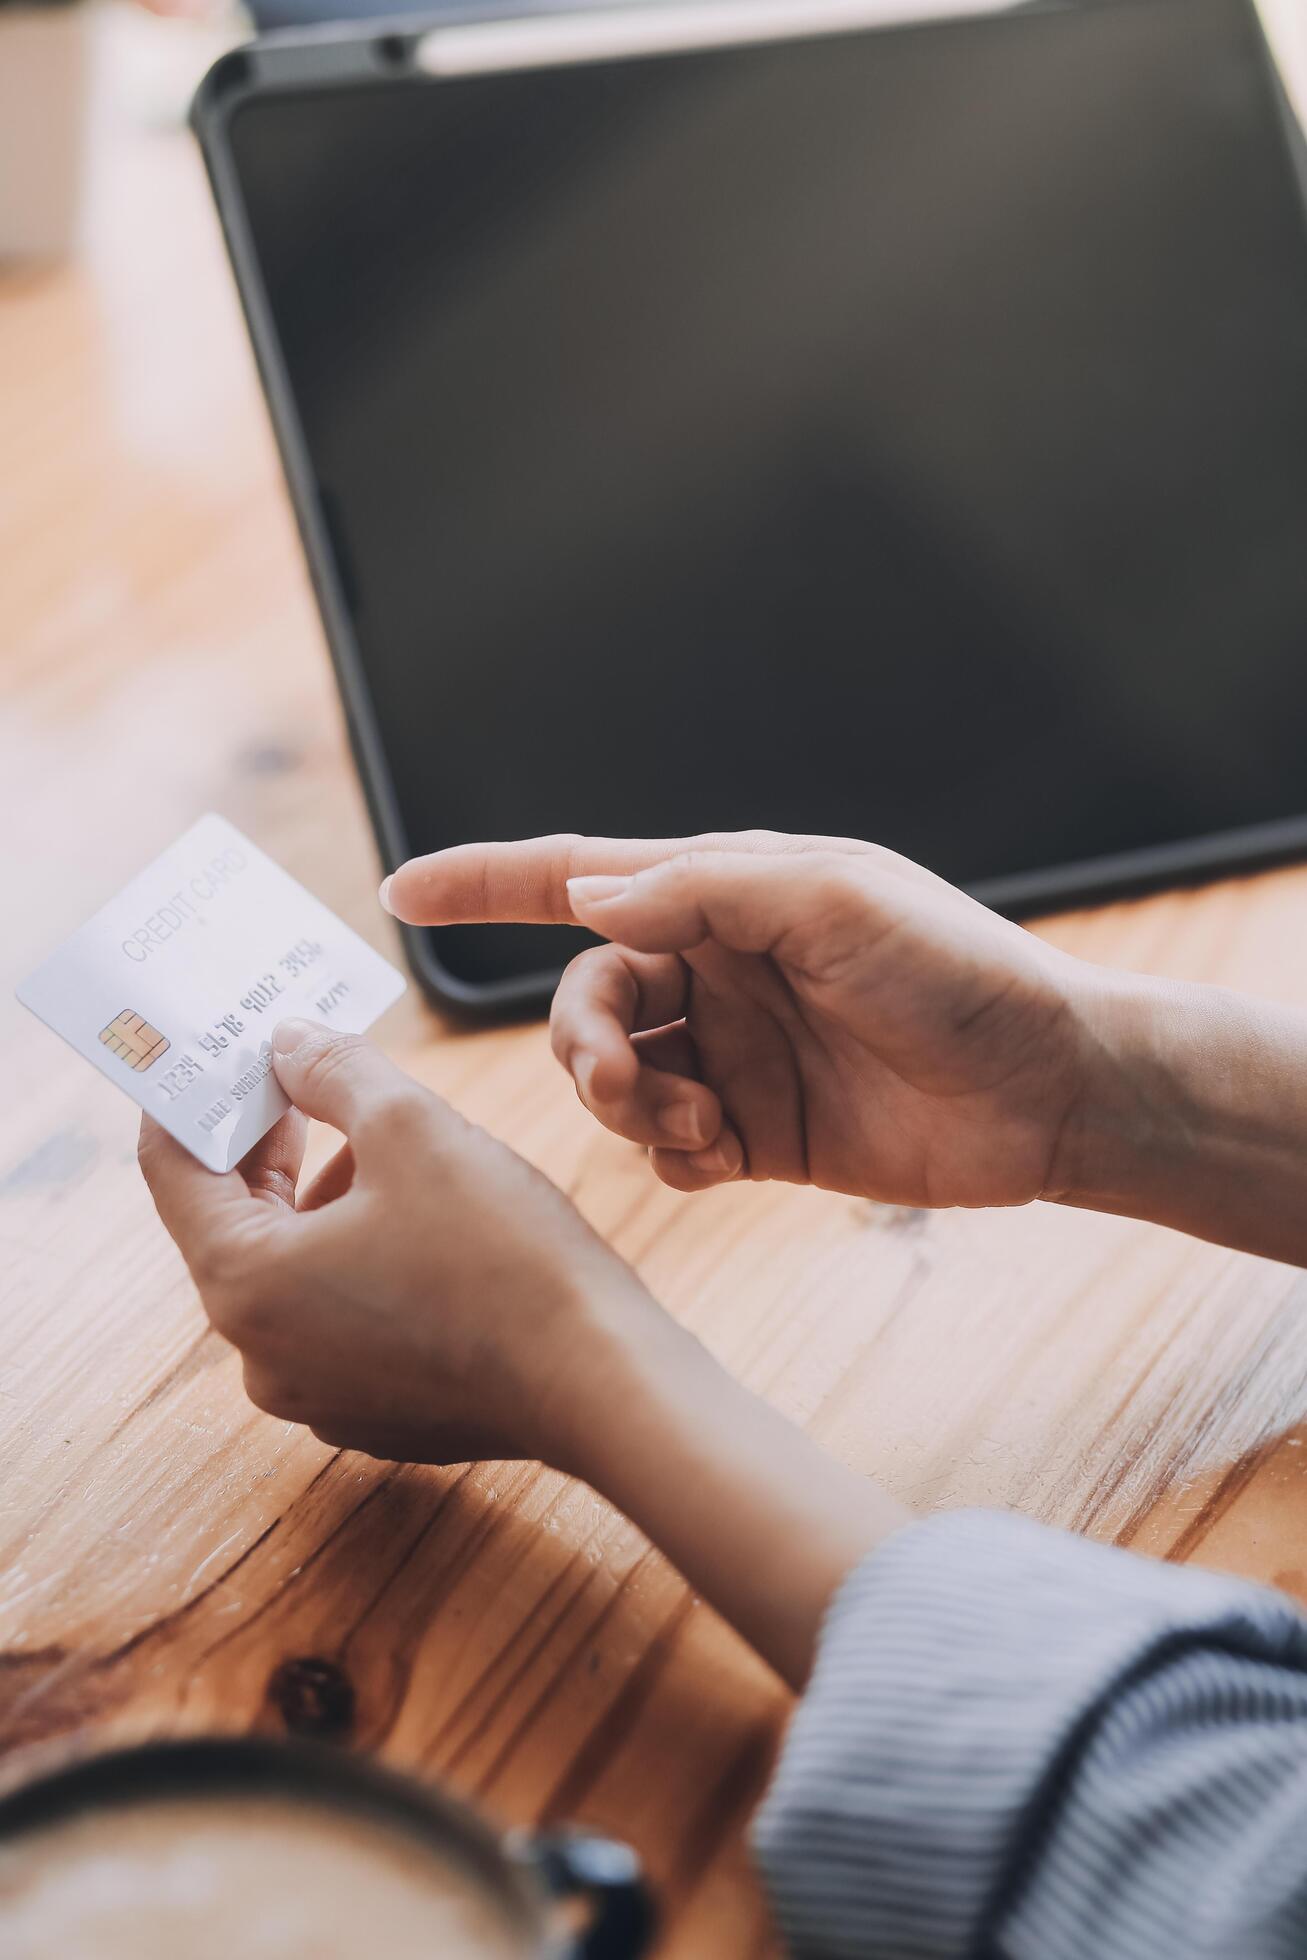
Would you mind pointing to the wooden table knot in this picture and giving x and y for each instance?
(313, 1697)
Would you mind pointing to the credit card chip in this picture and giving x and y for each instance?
(131, 1036)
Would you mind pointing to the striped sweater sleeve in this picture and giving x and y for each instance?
(1017, 1745)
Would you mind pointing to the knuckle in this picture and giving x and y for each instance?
(216, 1268)
(671, 1169)
(588, 967)
(839, 877)
(560, 1034)
(569, 845)
(232, 1261)
(757, 841)
(589, 977)
(765, 843)
(273, 1181)
(685, 867)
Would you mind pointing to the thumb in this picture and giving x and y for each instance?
(337, 1078)
(751, 904)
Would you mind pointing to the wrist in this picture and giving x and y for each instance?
(626, 1366)
(1130, 1115)
(1192, 1113)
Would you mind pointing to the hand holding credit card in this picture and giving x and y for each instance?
(173, 989)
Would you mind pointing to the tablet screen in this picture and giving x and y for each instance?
(899, 435)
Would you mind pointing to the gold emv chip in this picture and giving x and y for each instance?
(132, 1037)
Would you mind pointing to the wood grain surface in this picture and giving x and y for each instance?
(171, 1561)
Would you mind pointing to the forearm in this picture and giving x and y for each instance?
(1194, 1115)
(758, 1519)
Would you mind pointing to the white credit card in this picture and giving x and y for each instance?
(173, 989)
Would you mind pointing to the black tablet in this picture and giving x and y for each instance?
(695, 424)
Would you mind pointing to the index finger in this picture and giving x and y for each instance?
(526, 882)
(200, 1208)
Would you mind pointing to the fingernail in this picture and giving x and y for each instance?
(583, 1068)
(384, 894)
(595, 891)
(682, 1120)
(723, 1158)
(287, 1035)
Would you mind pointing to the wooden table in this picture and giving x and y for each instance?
(171, 1561)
